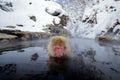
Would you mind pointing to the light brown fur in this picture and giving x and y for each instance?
(58, 41)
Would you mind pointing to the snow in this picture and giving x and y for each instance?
(77, 10)
(105, 17)
(62, 1)
(22, 10)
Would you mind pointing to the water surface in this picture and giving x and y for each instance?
(91, 60)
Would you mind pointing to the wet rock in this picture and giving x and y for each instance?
(34, 57)
(21, 35)
(4, 36)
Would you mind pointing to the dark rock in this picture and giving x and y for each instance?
(111, 7)
(33, 18)
(9, 4)
(20, 25)
(6, 6)
(22, 35)
(34, 57)
(63, 20)
(117, 0)
(104, 38)
(10, 26)
(30, 3)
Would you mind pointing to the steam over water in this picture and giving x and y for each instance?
(91, 60)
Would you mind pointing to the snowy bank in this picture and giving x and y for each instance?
(28, 15)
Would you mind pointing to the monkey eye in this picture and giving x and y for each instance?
(64, 47)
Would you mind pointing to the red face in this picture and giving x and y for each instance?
(59, 51)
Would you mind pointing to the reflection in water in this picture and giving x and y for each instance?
(79, 70)
(73, 68)
(90, 53)
(116, 50)
(58, 67)
(116, 71)
(66, 69)
(90, 61)
(8, 69)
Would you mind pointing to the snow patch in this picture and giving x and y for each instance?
(23, 9)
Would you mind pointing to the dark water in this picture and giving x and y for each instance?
(91, 60)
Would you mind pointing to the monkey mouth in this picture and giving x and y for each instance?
(59, 51)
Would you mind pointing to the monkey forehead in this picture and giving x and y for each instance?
(58, 39)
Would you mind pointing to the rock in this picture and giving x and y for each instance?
(57, 12)
(30, 3)
(104, 38)
(21, 35)
(10, 26)
(56, 29)
(20, 25)
(63, 20)
(34, 57)
(6, 6)
(6, 36)
(33, 18)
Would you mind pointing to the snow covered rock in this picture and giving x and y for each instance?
(55, 13)
(98, 18)
(21, 35)
(101, 18)
(54, 10)
(6, 6)
(28, 15)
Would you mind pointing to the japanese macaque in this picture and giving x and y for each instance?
(58, 47)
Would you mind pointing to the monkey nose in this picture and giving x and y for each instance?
(59, 51)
